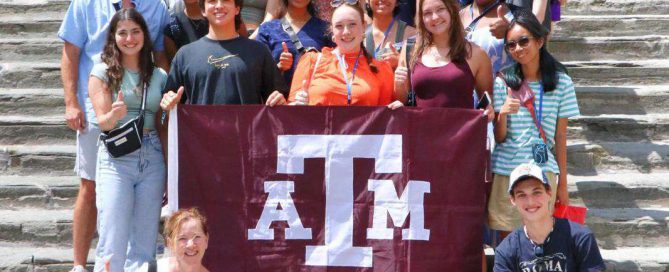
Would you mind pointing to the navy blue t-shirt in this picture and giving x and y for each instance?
(572, 247)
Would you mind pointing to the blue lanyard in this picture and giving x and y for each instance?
(385, 36)
(539, 110)
(342, 62)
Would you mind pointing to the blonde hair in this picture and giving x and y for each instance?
(173, 224)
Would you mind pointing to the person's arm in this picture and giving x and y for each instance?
(170, 50)
(483, 77)
(401, 79)
(271, 77)
(539, 9)
(302, 76)
(107, 112)
(69, 67)
(561, 157)
(161, 60)
(505, 104)
(272, 10)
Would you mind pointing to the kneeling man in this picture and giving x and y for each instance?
(544, 243)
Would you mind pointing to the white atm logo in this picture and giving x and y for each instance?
(339, 151)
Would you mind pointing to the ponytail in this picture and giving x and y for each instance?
(369, 59)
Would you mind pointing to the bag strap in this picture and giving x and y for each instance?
(186, 25)
(293, 36)
(472, 25)
(142, 109)
(530, 107)
(401, 27)
(369, 40)
(313, 73)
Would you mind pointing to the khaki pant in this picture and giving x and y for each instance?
(502, 215)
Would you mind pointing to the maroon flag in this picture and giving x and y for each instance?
(332, 188)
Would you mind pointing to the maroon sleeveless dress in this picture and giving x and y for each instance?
(448, 86)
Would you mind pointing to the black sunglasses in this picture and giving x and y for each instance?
(522, 42)
(338, 3)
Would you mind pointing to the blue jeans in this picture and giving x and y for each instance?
(129, 192)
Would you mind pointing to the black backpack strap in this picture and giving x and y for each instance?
(186, 25)
(293, 36)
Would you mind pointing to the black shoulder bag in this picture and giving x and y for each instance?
(128, 137)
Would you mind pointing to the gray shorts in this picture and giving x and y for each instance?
(87, 151)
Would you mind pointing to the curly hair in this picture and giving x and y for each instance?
(112, 56)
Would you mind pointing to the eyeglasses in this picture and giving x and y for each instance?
(522, 42)
(338, 3)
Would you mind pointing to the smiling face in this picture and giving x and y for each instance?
(129, 37)
(220, 12)
(382, 7)
(348, 29)
(190, 242)
(531, 199)
(436, 17)
(523, 47)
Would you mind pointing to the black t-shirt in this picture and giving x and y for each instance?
(236, 71)
(572, 247)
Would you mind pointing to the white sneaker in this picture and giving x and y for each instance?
(78, 268)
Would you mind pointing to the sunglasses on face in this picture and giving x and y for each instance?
(522, 42)
(338, 3)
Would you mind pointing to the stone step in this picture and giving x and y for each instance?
(49, 129)
(633, 100)
(619, 127)
(32, 8)
(611, 25)
(35, 102)
(584, 158)
(627, 227)
(37, 226)
(617, 7)
(637, 259)
(23, 25)
(31, 49)
(30, 75)
(55, 160)
(620, 189)
(602, 48)
(46, 192)
(28, 257)
(607, 72)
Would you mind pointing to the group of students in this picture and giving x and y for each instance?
(300, 59)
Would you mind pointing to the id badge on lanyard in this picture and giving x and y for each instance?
(540, 149)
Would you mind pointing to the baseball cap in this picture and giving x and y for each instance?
(524, 171)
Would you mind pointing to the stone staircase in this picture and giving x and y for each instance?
(618, 148)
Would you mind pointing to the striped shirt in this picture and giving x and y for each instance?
(522, 132)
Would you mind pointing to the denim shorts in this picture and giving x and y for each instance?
(129, 192)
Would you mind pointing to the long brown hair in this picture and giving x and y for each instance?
(368, 57)
(460, 49)
(111, 55)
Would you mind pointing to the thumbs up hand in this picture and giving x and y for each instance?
(170, 99)
(302, 96)
(285, 59)
(391, 57)
(499, 27)
(118, 108)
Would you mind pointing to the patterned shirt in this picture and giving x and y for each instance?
(522, 133)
